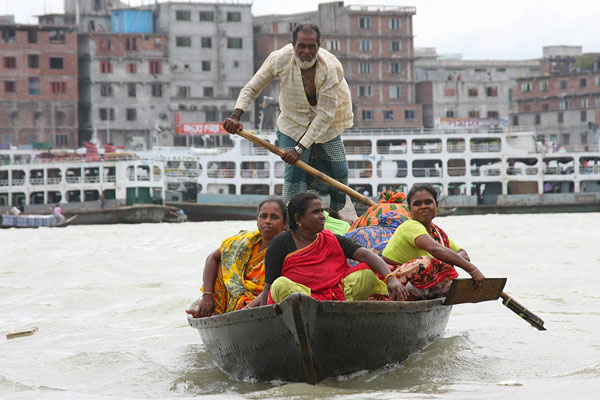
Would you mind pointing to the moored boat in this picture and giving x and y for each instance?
(305, 340)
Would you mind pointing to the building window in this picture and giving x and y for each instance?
(207, 16)
(365, 45)
(395, 67)
(9, 86)
(33, 61)
(183, 15)
(34, 85)
(526, 87)
(57, 36)
(584, 103)
(395, 45)
(364, 67)
(545, 107)
(538, 119)
(365, 91)
(183, 41)
(491, 91)
(395, 23)
(234, 16)
(598, 80)
(474, 114)
(583, 116)
(209, 91)
(493, 114)
(543, 86)
(183, 91)
(131, 92)
(449, 92)
(206, 42)
(105, 89)
(564, 105)
(333, 45)
(155, 67)
(106, 67)
(31, 138)
(582, 82)
(395, 92)
(450, 114)
(130, 43)
(156, 90)
(58, 87)
(211, 116)
(410, 114)
(32, 36)
(563, 84)
(367, 115)
(526, 108)
(234, 43)
(515, 120)
(388, 115)
(234, 92)
(131, 68)
(131, 114)
(565, 138)
(56, 62)
(60, 140)
(205, 65)
(104, 44)
(106, 114)
(10, 62)
(236, 64)
(560, 118)
(364, 22)
(473, 92)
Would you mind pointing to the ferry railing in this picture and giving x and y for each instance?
(486, 148)
(181, 174)
(143, 178)
(91, 179)
(457, 171)
(531, 171)
(456, 148)
(357, 150)
(391, 149)
(392, 172)
(221, 174)
(426, 172)
(254, 173)
(17, 182)
(423, 149)
(53, 181)
(589, 170)
(4, 182)
(110, 178)
(73, 179)
(36, 181)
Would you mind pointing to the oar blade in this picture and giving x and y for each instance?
(523, 312)
(462, 291)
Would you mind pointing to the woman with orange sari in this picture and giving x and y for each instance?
(234, 274)
(419, 241)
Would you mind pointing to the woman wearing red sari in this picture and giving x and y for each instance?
(311, 260)
(420, 241)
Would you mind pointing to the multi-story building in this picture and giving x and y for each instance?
(210, 56)
(467, 93)
(374, 45)
(563, 103)
(38, 78)
(124, 84)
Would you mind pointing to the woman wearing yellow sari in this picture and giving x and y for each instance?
(234, 274)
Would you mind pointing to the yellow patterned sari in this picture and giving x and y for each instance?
(241, 273)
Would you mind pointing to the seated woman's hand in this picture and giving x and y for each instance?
(478, 278)
(202, 307)
(396, 290)
(254, 303)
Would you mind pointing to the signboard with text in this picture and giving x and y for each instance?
(208, 128)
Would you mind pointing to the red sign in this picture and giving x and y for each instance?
(197, 128)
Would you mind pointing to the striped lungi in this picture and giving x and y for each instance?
(329, 158)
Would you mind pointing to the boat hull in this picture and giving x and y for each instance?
(135, 214)
(305, 340)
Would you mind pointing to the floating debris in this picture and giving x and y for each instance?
(509, 383)
(21, 333)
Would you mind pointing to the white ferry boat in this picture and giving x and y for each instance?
(475, 171)
(101, 189)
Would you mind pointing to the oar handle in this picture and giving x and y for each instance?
(307, 168)
(522, 312)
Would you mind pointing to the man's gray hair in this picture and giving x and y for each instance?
(306, 27)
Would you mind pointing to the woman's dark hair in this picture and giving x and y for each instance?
(277, 201)
(419, 188)
(306, 27)
(298, 206)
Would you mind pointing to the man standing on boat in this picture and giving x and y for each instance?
(316, 108)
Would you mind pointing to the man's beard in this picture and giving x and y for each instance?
(305, 64)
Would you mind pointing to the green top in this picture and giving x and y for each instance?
(336, 225)
(401, 247)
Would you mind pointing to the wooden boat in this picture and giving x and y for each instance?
(305, 340)
(37, 221)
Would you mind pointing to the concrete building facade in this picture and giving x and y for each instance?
(374, 45)
(467, 93)
(563, 104)
(38, 78)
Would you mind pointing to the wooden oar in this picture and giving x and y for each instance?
(307, 168)
(462, 291)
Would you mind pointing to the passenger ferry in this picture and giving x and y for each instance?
(475, 170)
(98, 188)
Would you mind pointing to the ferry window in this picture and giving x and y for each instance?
(220, 169)
(457, 189)
(360, 169)
(54, 176)
(91, 195)
(485, 145)
(392, 169)
(427, 168)
(457, 167)
(365, 190)
(486, 167)
(143, 173)
(391, 147)
(156, 173)
(254, 169)
(36, 198)
(73, 196)
(357, 146)
(255, 189)
(427, 145)
(36, 177)
(53, 197)
(392, 186)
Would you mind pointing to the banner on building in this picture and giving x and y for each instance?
(182, 128)
(466, 123)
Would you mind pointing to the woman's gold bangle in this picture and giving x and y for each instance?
(475, 270)
(387, 276)
(211, 293)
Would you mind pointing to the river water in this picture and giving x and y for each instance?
(109, 301)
